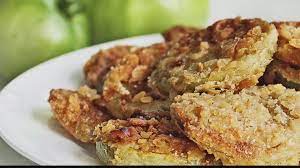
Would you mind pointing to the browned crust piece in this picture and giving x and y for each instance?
(76, 112)
(99, 65)
(288, 42)
(149, 138)
(257, 126)
(177, 32)
(125, 89)
(217, 58)
(279, 72)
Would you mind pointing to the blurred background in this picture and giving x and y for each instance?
(33, 31)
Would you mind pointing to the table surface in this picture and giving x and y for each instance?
(267, 9)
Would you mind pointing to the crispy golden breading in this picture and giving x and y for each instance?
(230, 54)
(125, 89)
(146, 109)
(288, 42)
(282, 73)
(137, 141)
(76, 112)
(177, 32)
(99, 65)
(286, 68)
(257, 126)
(120, 74)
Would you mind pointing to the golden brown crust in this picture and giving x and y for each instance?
(257, 126)
(150, 136)
(128, 78)
(236, 37)
(134, 129)
(217, 58)
(76, 112)
(231, 120)
(177, 32)
(288, 42)
(279, 72)
(99, 65)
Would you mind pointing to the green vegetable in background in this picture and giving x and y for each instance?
(32, 31)
(113, 19)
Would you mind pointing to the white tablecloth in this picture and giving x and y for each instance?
(267, 9)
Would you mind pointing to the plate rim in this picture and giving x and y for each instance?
(4, 136)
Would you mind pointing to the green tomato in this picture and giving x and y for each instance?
(113, 19)
(33, 31)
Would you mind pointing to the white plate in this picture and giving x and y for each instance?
(26, 122)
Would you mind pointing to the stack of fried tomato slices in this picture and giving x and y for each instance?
(225, 94)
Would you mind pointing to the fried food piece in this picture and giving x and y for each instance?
(137, 141)
(288, 42)
(257, 126)
(279, 72)
(286, 68)
(125, 89)
(76, 112)
(99, 65)
(230, 54)
(177, 32)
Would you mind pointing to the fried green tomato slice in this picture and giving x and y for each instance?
(279, 72)
(288, 42)
(231, 54)
(257, 126)
(125, 89)
(76, 112)
(99, 64)
(138, 141)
